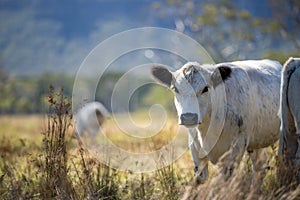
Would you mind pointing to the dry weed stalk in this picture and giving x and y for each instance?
(56, 182)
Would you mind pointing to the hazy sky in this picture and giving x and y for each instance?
(37, 36)
(53, 35)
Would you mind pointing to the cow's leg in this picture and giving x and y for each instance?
(233, 157)
(296, 114)
(297, 156)
(297, 161)
(200, 161)
(258, 158)
(202, 173)
(193, 145)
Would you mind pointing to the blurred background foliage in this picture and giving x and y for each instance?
(229, 32)
(225, 30)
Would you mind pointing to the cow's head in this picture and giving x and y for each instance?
(192, 85)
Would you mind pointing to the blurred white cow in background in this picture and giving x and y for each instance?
(289, 112)
(89, 118)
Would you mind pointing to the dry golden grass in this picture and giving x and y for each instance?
(40, 159)
(22, 126)
(22, 169)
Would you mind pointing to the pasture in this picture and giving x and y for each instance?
(41, 159)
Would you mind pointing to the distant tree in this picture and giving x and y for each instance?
(43, 82)
(7, 98)
(106, 86)
(29, 94)
(159, 95)
(287, 14)
(278, 55)
(225, 30)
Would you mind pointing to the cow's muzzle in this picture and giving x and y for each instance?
(188, 119)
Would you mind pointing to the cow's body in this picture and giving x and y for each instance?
(244, 120)
(289, 146)
(89, 119)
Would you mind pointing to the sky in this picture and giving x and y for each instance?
(39, 36)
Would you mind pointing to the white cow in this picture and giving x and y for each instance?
(229, 106)
(89, 119)
(289, 145)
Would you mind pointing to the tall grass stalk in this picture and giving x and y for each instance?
(56, 182)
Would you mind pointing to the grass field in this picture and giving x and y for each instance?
(41, 159)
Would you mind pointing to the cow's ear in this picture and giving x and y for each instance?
(162, 75)
(220, 74)
(99, 113)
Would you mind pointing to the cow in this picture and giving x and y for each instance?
(228, 108)
(89, 119)
(289, 112)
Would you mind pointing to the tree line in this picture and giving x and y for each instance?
(29, 95)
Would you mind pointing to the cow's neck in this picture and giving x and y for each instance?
(203, 127)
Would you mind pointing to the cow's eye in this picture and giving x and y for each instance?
(205, 89)
(174, 88)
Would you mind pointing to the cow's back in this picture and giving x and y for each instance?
(252, 94)
(265, 80)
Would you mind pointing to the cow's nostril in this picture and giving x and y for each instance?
(189, 119)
